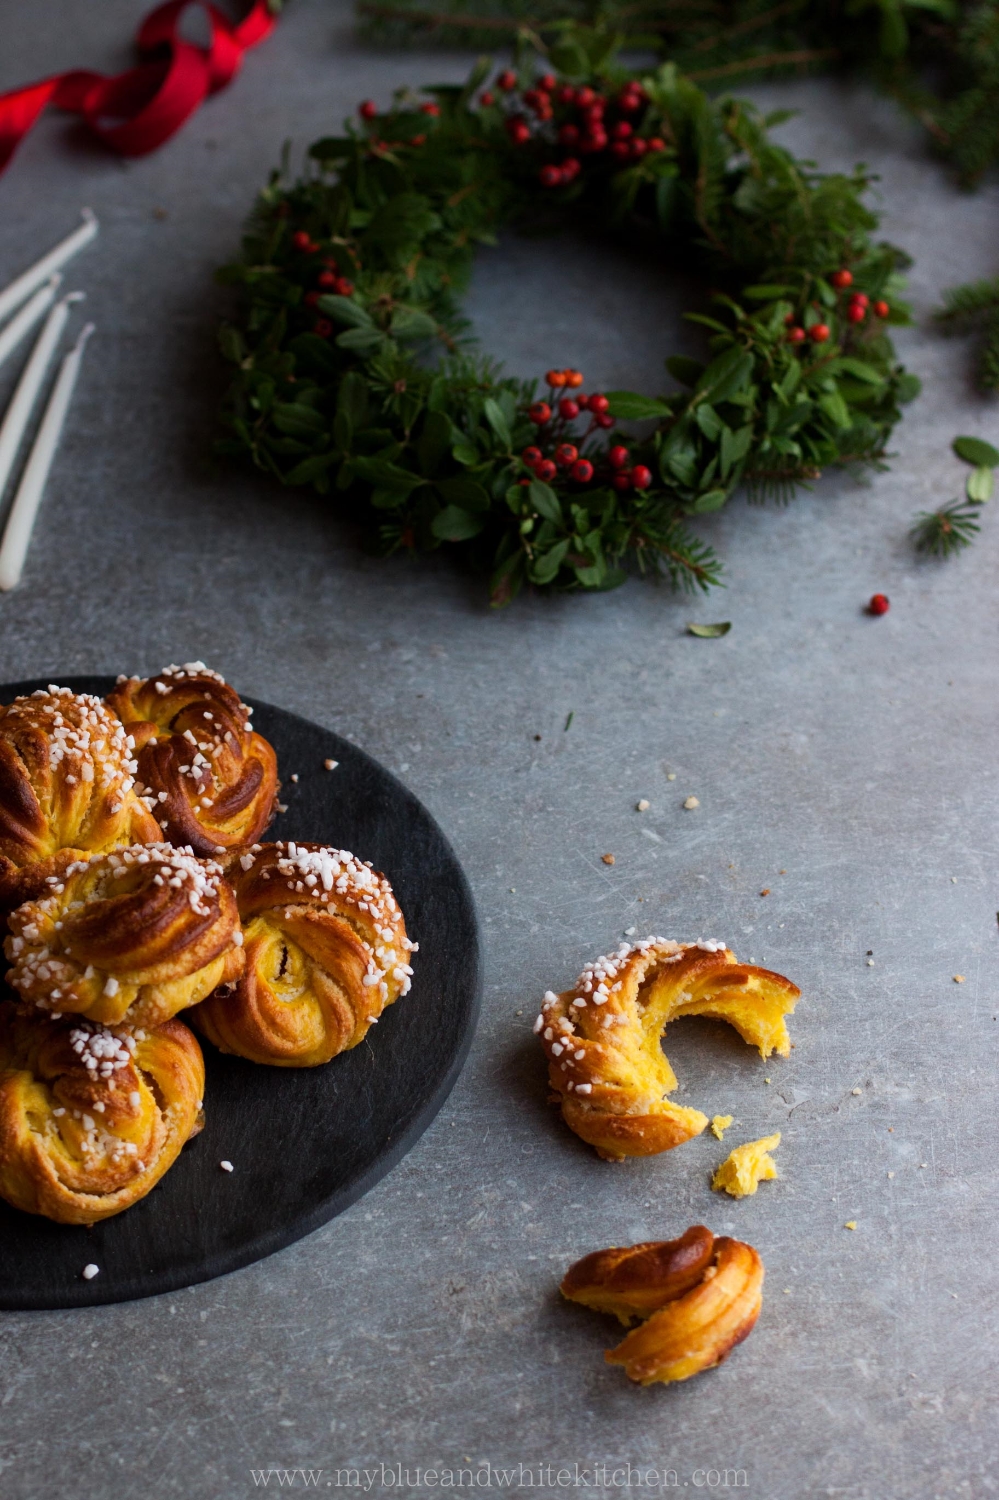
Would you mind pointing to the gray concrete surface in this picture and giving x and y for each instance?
(846, 763)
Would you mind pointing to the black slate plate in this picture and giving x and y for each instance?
(305, 1143)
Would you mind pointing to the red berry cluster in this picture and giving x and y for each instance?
(585, 129)
(856, 311)
(553, 416)
(328, 280)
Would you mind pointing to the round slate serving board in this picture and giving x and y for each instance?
(305, 1142)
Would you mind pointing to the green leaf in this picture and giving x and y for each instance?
(726, 374)
(712, 500)
(385, 475)
(861, 370)
(465, 452)
(734, 447)
(331, 148)
(232, 344)
(709, 422)
(569, 58)
(974, 451)
(978, 485)
(836, 409)
(343, 432)
(412, 323)
(361, 340)
(352, 398)
(544, 500)
(629, 406)
(464, 492)
(908, 388)
(346, 312)
(456, 525)
(310, 468)
(298, 420)
(435, 439)
(768, 293)
(545, 567)
(665, 197)
(709, 632)
(497, 421)
(686, 371)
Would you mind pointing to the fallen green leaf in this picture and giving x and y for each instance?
(974, 451)
(722, 628)
(978, 485)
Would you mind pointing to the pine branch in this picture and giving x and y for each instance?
(943, 532)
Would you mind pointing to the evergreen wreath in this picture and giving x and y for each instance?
(351, 367)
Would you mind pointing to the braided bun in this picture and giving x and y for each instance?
(326, 952)
(67, 785)
(210, 780)
(133, 936)
(700, 1297)
(90, 1119)
(603, 1037)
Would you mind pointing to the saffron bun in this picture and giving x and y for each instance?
(699, 1295)
(67, 787)
(326, 952)
(603, 1037)
(131, 937)
(91, 1118)
(209, 778)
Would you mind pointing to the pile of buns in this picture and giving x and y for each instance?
(133, 888)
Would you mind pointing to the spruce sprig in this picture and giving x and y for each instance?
(351, 366)
(947, 530)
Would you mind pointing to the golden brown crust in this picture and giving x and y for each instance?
(700, 1297)
(67, 786)
(603, 1037)
(211, 780)
(326, 952)
(133, 936)
(90, 1118)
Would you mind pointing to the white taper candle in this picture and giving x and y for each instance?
(14, 547)
(21, 288)
(28, 316)
(22, 403)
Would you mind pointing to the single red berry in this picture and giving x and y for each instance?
(311, 298)
(861, 299)
(638, 148)
(568, 409)
(418, 140)
(555, 378)
(879, 604)
(545, 470)
(519, 132)
(881, 309)
(524, 482)
(842, 278)
(641, 477)
(487, 99)
(594, 116)
(796, 335)
(540, 413)
(621, 150)
(569, 135)
(567, 95)
(788, 319)
(628, 103)
(430, 109)
(585, 97)
(326, 278)
(549, 177)
(507, 81)
(621, 482)
(819, 333)
(593, 143)
(656, 143)
(604, 420)
(368, 110)
(622, 130)
(548, 82)
(856, 313)
(565, 454)
(301, 240)
(570, 169)
(329, 263)
(324, 328)
(344, 287)
(532, 456)
(619, 457)
(532, 98)
(573, 379)
(582, 471)
(598, 404)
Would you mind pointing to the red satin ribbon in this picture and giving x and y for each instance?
(137, 111)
